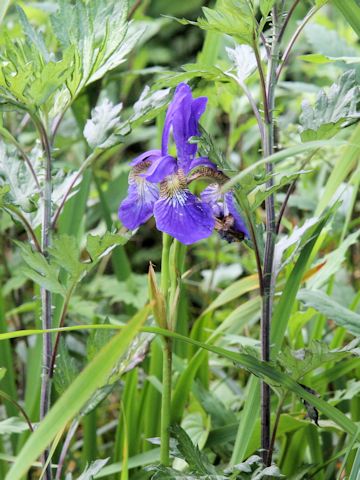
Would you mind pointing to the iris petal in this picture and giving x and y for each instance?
(184, 217)
(182, 92)
(161, 168)
(202, 162)
(223, 205)
(150, 155)
(138, 206)
(239, 223)
(183, 116)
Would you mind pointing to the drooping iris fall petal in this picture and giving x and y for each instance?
(138, 206)
(185, 218)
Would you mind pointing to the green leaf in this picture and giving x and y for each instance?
(16, 181)
(5, 4)
(197, 461)
(64, 252)
(266, 6)
(244, 61)
(98, 246)
(31, 34)
(260, 369)
(234, 291)
(332, 262)
(197, 426)
(66, 369)
(12, 425)
(101, 33)
(4, 190)
(51, 78)
(351, 12)
(331, 110)
(101, 129)
(232, 17)
(285, 180)
(70, 403)
(324, 304)
(278, 157)
(298, 363)
(40, 270)
(93, 469)
(148, 105)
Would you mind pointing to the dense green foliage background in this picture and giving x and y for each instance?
(98, 272)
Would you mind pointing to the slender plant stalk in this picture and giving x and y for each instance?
(61, 324)
(46, 297)
(167, 358)
(275, 427)
(267, 299)
(27, 226)
(89, 161)
(19, 407)
(292, 42)
(70, 434)
(166, 402)
(287, 19)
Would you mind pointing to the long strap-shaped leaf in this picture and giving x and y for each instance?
(351, 11)
(255, 366)
(70, 403)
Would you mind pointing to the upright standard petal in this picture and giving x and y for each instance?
(186, 125)
(138, 206)
(181, 214)
(182, 92)
(183, 117)
(161, 168)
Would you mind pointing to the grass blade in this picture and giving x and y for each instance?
(91, 378)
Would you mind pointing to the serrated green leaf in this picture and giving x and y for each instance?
(232, 17)
(53, 76)
(98, 246)
(12, 425)
(285, 180)
(31, 34)
(4, 190)
(40, 270)
(64, 252)
(148, 105)
(300, 362)
(93, 469)
(197, 461)
(331, 109)
(65, 369)
(101, 33)
(266, 6)
(101, 130)
(17, 183)
(244, 61)
(324, 304)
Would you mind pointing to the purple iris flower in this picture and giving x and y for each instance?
(158, 182)
(229, 223)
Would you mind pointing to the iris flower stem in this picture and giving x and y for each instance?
(166, 402)
(167, 357)
(165, 274)
(268, 293)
